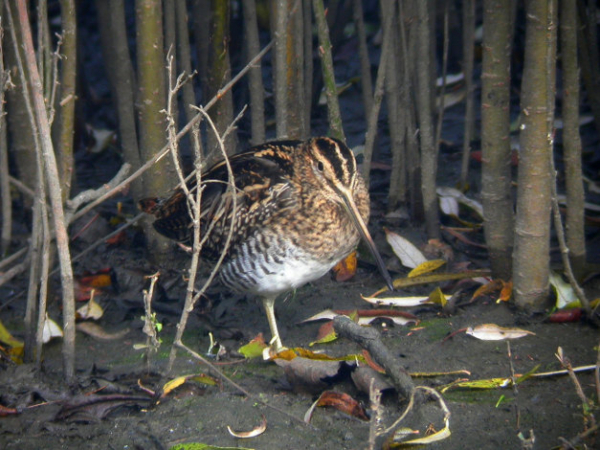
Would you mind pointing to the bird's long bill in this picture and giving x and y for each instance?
(364, 232)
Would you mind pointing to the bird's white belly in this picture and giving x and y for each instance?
(267, 274)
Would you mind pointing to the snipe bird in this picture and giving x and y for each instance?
(301, 206)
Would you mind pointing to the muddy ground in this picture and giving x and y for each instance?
(548, 408)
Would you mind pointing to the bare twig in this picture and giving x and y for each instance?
(149, 329)
(22, 187)
(12, 258)
(515, 388)
(191, 299)
(235, 385)
(166, 149)
(564, 250)
(43, 282)
(411, 405)
(16, 269)
(103, 239)
(375, 423)
(92, 194)
(586, 404)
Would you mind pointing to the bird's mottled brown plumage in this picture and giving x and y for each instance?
(296, 212)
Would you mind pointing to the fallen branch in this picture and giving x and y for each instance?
(370, 339)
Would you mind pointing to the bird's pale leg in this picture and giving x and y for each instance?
(269, 304)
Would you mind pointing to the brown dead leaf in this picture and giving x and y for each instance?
(486, 289)
(372, 364)
(438, 249)
(504, 287)
(506, 292)
(344, 403)
(326, 331)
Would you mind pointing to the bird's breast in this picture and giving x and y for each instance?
(270, 264)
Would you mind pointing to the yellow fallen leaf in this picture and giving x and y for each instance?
(7, 338)
(173, 384)
(426, 267)
(438, 297)
(254, 348)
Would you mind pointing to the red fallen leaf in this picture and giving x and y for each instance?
(477, 155)
(103, 278)
(567, 315)
(346, 268)
(117, 239)
(344, 403)
(372, 364)
(5, 411)
(325, 330)
(82, 293)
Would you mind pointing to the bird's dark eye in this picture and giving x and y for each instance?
(320, 166)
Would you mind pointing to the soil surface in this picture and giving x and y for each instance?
(548, 407)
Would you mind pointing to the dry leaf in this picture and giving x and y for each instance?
(254, 348)
(493, 332)
(366, 316)
(91, 310)
(51, 330)
(96, 331)
(173, 384)
(426, 267)
(409, 255)
(344, 403)
(346, 268)
(260, 429)
(451, 197)
(403, 302)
